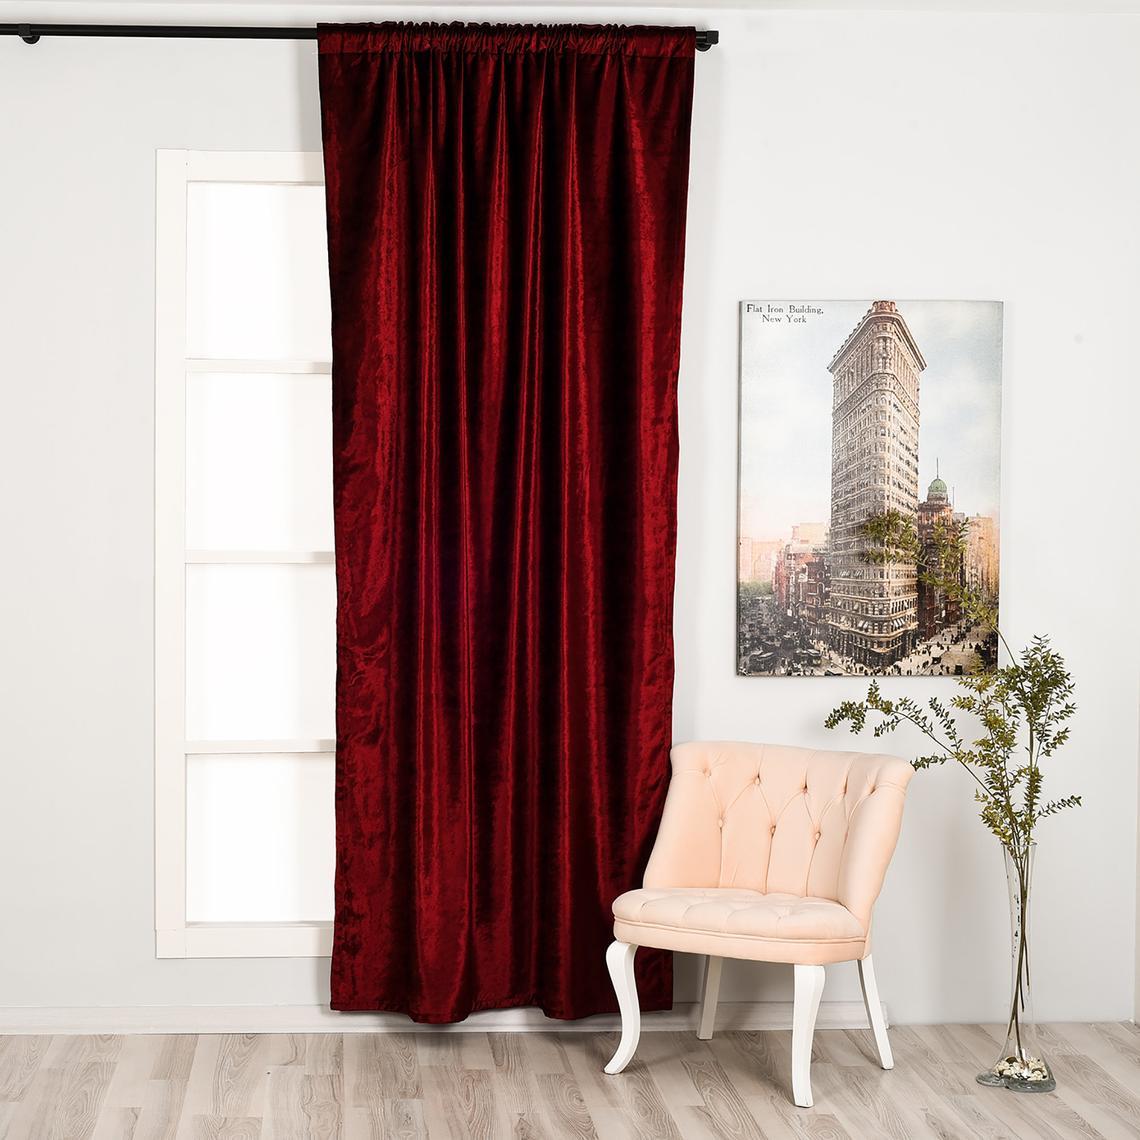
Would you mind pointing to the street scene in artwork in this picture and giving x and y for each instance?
(777, 642)
(851, 410)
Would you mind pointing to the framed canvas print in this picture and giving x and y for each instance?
(850, 410)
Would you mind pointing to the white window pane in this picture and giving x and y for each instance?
(258, 462)
(260, 652)
(257, 281)
(259, 838)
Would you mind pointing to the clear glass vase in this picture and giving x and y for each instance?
(1021, 1065)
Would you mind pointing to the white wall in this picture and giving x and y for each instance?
(835, 154)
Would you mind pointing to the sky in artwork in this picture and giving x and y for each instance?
(785, 406)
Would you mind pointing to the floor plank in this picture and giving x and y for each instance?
(116, 1123)
(239, 1075)
(63, 1103)
(20, 1058)
(209, 1127)
(563, 1108)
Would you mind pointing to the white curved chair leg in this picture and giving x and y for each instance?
(875, 1012)
(709, 993)
(619, 959)
(809, 989)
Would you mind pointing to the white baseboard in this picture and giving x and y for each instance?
(320, 1019)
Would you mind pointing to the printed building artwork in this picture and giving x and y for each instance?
(850, 409)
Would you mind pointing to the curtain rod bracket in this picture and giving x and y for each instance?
(24, 31)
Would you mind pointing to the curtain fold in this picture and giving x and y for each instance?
(506, 215)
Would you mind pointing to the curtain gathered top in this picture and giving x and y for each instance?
(599, 39)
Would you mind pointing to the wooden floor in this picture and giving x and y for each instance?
(548, 1085)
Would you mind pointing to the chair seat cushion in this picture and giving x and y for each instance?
(736, 923)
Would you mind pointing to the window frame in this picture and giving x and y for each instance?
(175, 937)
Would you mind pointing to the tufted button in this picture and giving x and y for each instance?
(816, 837)
(773, 829)
(720, 823)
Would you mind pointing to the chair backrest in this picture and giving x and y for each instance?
(777, 819)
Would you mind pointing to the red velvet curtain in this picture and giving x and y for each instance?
(506, 214)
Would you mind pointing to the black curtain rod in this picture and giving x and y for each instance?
(31, 33)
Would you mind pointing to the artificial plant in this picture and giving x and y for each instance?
(1021, 708)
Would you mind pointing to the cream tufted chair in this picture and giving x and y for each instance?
(769, 853)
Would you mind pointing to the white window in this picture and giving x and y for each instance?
(244, 586)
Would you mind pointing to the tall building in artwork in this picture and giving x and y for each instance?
(764, 555)
(935, 609)
(809, 532)
(982, 556)
(756, 557)
(799, 585)
(873, 610)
